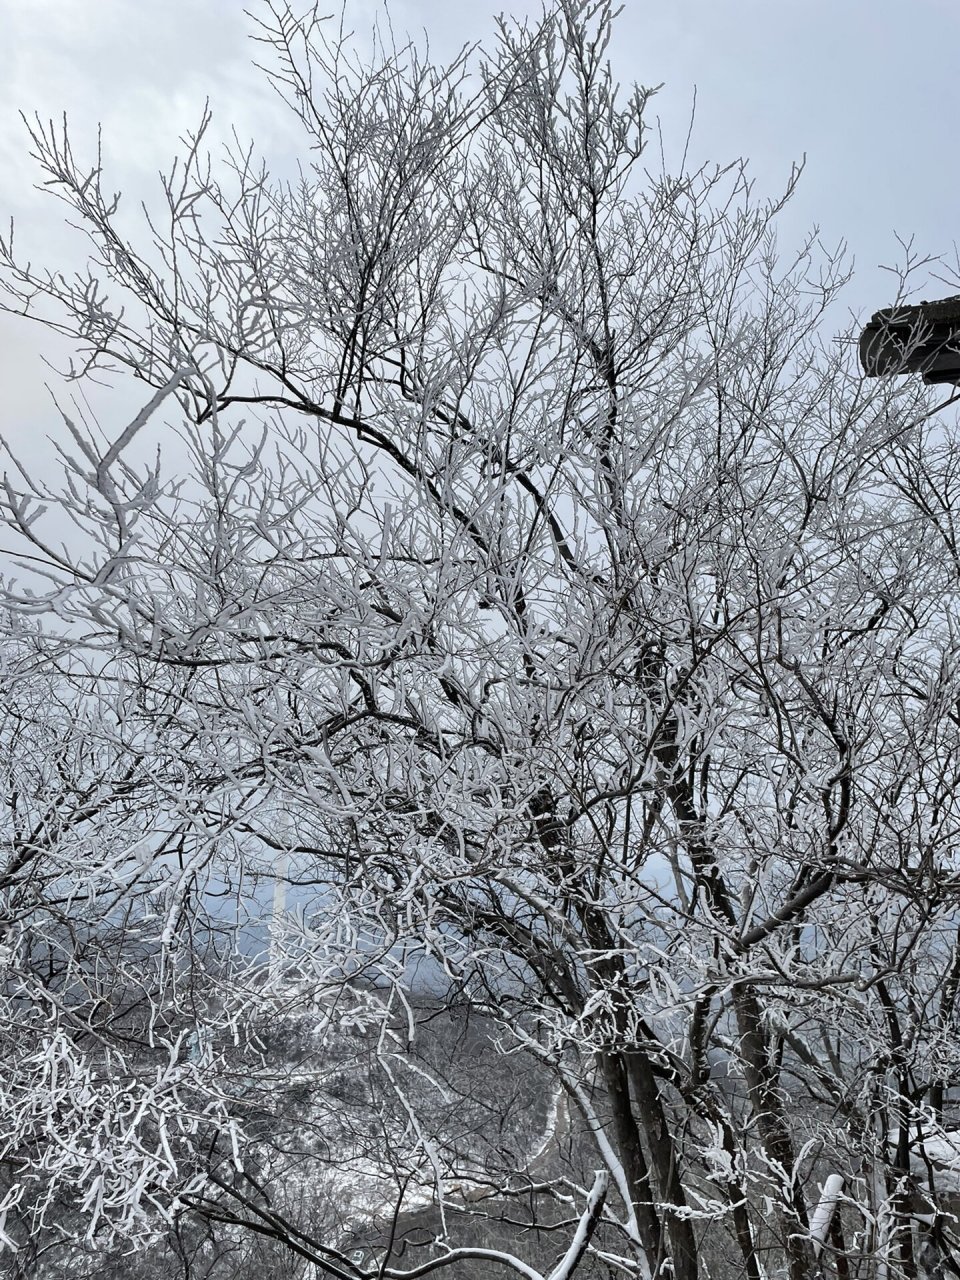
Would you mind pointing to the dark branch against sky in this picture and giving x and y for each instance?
(866, 90)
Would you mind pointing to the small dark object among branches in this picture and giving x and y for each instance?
(924, 338)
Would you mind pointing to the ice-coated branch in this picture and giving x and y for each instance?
(565, 1268)
(568, 1264)
(822, 1215)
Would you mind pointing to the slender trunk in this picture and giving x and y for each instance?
(903, 1228)
(741, 1214)
(630, 1151)
(761, 1077)
(663, 1156)
(624, 1070)
(839, 1246)
(774, 1130)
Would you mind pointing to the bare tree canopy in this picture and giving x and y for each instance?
(481, 746)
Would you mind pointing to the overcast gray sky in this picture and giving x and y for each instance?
(866, 89)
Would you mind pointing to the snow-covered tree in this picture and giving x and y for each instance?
(510, 564)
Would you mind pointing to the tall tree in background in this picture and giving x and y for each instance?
(527, 582)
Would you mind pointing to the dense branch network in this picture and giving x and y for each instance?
(480, 745)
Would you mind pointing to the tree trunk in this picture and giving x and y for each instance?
(663, 1155)
(774, 1131)
(630, 1151)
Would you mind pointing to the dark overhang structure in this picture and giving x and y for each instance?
(921, 338)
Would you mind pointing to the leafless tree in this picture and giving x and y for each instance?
(530, 595)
